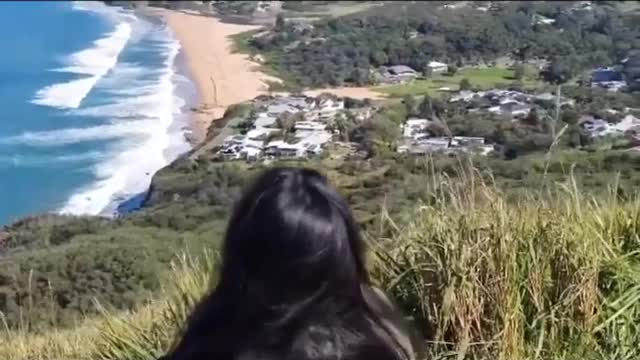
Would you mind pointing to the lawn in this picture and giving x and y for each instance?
(479, 78)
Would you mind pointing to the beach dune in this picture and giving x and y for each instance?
(222, 76)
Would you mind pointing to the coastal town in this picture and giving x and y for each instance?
(298, 126)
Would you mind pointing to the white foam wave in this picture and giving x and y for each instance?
(35, 160)
(101, 8)
(134, 159)
(93, 63)
(78, 135)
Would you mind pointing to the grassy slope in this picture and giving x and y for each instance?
(483, 279)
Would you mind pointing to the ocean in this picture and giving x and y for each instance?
(92, 104)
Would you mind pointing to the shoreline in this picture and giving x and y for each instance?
(221, 76)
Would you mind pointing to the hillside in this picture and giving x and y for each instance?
(54, 268)
(482, 276)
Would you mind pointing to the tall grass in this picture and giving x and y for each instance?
(487, 279)
(149, 332)
(481, 277)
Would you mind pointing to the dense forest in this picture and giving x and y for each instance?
(342, 50)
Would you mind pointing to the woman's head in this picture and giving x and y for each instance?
(292, 237)
(291, 281)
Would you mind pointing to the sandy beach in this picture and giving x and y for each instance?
(222, 76)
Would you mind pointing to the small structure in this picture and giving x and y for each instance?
(414, 128)
(468, 140)
(310, 126)
(608, 78)
(512, 107)
(398, 74)
(437, 67)
(283, 149)
(594, 127)
(542, 20)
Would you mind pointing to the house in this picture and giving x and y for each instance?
(437, 67)
(233, 140)
(283, 149)
(633, 134)
(542, 20)
(401, 70)
(628, 122)
(513, 108)
(608, 78)
(413, 128)
(277, 109)
(594, 127)
(425, 146)
(398, 74)
(581, 6)
(264, 120)
(328, 108)
(549, 99)
(468, 140)
(455, 5)
(259, 134)
(465, 95)
(310, 125)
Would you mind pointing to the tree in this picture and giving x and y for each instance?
(410, 104)
(465, 84)
(426, 107)
(570, 117)
(280, 22)
(437, 129)
(376, 135)
(286, 121)
(532, 118)
(427, 72)
(559, 72)
(379, 58)
(453, 69)
(632, 71)
(518, 71)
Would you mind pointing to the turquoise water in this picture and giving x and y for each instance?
(90, 106)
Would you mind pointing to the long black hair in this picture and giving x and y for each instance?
(291, 281)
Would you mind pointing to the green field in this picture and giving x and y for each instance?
(479, 78)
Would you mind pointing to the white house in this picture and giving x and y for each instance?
(310, 125)
(283, 149)
(542, 20)
(414, 127)
(264, 120)
(436, 66)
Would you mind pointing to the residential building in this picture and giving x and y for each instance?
(437, 67)
(415, 127)
(542, 20)
(310, 125)
(283, 149)
(398, 74)
(608, 78)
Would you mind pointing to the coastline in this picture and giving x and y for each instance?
(221, 76)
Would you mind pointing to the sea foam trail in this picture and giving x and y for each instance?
(93, 63)
(79, 135)
(48, 160)
(134, 159)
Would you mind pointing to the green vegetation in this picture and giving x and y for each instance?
(482, 277)
(481, 79)
(53, 269)
(343, 50)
